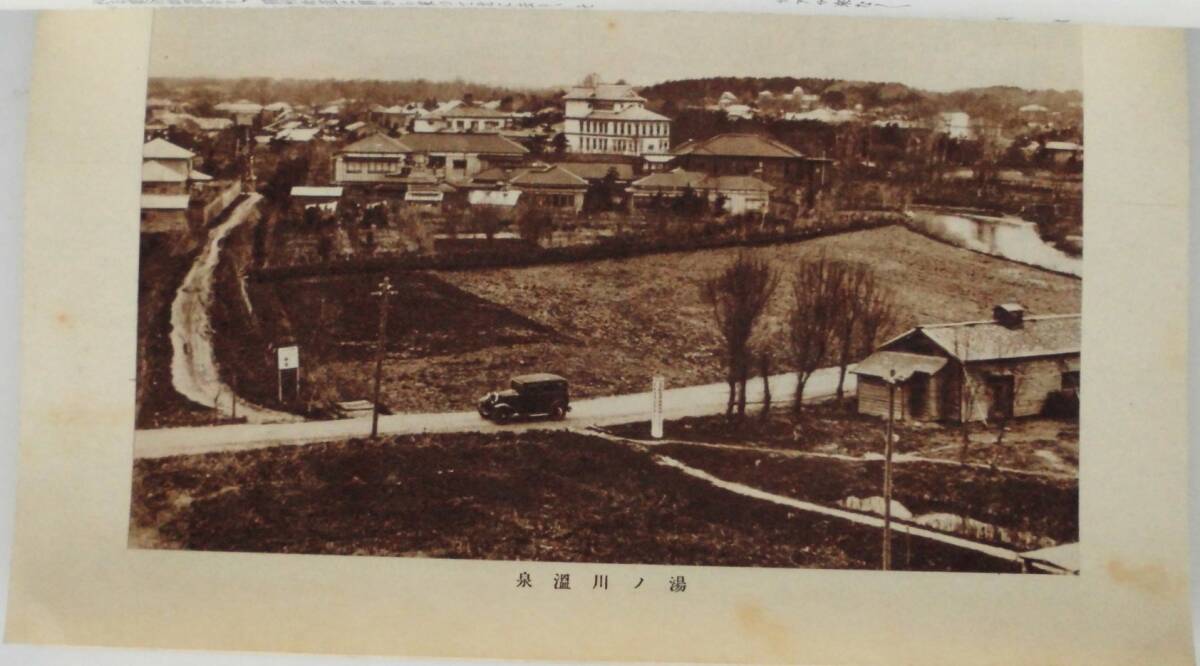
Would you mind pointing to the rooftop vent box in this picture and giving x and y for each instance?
(1011, 315)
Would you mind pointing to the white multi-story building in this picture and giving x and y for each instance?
(612, 119)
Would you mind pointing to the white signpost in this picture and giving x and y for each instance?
(288, 358)
(656, 415)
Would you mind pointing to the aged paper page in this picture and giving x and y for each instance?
(104, 556)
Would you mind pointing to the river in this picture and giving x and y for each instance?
(1008, 237)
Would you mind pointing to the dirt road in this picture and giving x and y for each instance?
(677, 403)
(193, 368)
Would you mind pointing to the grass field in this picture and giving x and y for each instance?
(547, 496)
(606, 325)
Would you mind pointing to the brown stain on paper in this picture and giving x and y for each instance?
(1152, 579)
(754, 622)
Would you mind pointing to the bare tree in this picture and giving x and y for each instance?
(866, 310)
(764, 371)
(817, 300)
(739, 296)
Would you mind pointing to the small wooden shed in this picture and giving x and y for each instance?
(1003, 367)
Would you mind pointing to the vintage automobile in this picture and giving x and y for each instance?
(540, 394)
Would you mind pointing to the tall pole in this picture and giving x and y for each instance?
(887, 476)
(384, 293)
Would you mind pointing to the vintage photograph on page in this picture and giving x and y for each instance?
(638, 295)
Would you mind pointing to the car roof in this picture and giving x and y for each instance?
(537, 378)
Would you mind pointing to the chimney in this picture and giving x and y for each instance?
(1009, 315)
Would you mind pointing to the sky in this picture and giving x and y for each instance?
(555, 48)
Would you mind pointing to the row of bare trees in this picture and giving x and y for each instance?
(838, 311)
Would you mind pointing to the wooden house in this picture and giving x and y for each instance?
(1000, 368)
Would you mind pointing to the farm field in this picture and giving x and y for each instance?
(550, 496)
(606, 325)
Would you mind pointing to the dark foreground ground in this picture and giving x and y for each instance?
(1027, 484)
(552, 496)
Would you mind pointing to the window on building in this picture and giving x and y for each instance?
(1070, 380)
(437, 161)
(353, 166)
(459, 164)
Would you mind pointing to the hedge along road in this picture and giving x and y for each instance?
(193, 368)
(677, 403)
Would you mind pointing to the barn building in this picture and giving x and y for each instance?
(1000, 368)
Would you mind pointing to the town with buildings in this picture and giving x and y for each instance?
(798, 285)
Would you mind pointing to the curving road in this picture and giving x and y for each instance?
(193, 367)
(677, 403)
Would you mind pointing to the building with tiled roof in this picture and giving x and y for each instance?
(541, 184)
(752, 155)
(449, 156)
(1004, 367)
(464, 118)
(597, 171)
(613, 119)
(739, 194)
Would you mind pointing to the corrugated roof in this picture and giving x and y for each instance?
(161, 149)
(898, 366)
(737, 145)
(1041, 335)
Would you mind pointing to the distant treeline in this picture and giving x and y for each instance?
(263, 90)
(985, 102)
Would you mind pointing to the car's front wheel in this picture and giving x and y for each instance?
(558, 412)
(502, 415)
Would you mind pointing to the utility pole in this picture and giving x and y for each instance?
(887, 476)
(384, 294)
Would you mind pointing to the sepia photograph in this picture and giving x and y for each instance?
(675, 289)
